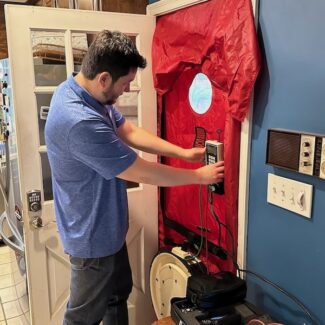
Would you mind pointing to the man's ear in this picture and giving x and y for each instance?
(105, 79)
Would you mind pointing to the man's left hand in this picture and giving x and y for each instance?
(194, 155)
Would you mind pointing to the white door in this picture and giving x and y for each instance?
(45, 46)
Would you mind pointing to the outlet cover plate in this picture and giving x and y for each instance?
(322, 162)
(289, 194)
(307, 147)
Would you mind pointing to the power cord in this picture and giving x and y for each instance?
(285, 292)
(199, 250)
(232, 256)
(220, 223)
(259, 322)
(201, 223)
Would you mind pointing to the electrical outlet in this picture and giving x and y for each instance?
(289, 194)
(307, 152)
(322, 161)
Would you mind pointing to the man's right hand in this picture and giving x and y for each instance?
(211, 174)
(142, 171)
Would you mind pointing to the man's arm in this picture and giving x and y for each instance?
(142, 171)
(143, 140)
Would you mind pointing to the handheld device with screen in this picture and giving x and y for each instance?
(213, 154)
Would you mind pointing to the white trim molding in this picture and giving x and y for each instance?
(164, 7)
(244, 174)
(243, 188)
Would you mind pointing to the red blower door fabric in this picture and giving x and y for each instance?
(216, 38)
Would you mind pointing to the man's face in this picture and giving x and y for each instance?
(116, 89)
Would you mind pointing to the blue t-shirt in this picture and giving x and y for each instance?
(85, 155)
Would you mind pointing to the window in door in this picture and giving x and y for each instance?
(50, 69)
(200, 94)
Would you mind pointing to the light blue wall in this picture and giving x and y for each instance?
(288, 249)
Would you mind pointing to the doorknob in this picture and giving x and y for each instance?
(37, 222)
(34, 202)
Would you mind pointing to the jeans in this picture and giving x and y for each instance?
(99, 290)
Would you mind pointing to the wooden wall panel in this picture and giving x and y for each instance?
(3, 36)
(126, 6)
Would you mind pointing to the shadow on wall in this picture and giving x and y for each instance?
(262, 86)
(266, 299)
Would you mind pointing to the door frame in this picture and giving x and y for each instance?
(163, 7)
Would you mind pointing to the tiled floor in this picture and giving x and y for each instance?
(14, 309)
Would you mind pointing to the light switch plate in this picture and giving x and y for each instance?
(289, 194)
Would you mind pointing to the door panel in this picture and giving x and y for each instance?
(45, 46)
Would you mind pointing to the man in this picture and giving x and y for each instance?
(88, 148)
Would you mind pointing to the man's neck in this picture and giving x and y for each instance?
(85, 83)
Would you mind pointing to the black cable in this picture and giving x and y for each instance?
(288, 294)
(201, 223)
(194, 256)
(220, 223)
(213, 213)
(206, 237)
(285, 292)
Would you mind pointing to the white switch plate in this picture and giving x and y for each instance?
(289, 194)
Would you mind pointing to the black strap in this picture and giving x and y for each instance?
(194, 239)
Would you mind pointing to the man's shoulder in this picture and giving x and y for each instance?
(62, 91)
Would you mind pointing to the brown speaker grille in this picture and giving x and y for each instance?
(283, 149)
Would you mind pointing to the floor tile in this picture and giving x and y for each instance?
(18, 277)
(21, 320)
(6, 281)
(5, 258)
(5, 269)
(2, 316)
(14, 264)
(27, 316)
(21, 289)
(12, 309)
(24, 304)
(8, 294)
(4, 249)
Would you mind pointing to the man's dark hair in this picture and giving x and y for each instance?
(113, 52)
